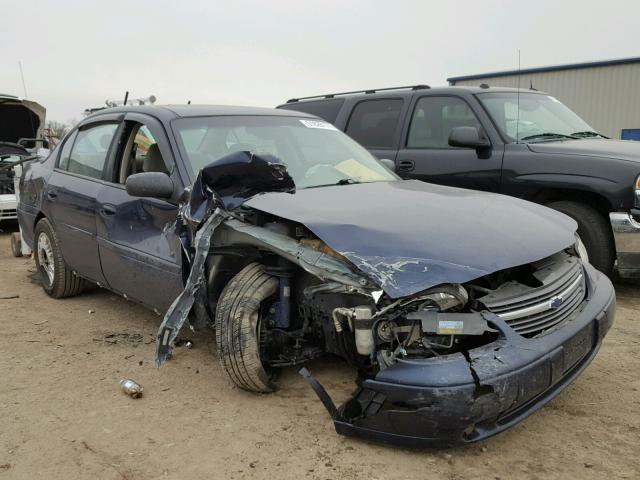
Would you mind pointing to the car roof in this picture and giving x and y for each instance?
(406, 92)
(169, 112)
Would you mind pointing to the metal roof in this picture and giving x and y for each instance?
(555, 68)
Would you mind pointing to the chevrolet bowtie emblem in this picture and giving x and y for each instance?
(556, 302)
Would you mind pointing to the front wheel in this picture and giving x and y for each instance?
(239, 328)
(56, 278)
(594, 231)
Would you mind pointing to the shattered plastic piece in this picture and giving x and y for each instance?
(131, 388)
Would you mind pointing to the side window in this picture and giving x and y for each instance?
(89, 151)
(373, 122)
(435, 117)
(66, 150)
(327, 109)
(141, 153)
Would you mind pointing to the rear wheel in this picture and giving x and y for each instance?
(57, 279)
(238, 325)
(16, 244)
(594, 231)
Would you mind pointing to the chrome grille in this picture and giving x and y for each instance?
(530, 311)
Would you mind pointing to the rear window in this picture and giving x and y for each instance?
(325, 109)
(373, 122)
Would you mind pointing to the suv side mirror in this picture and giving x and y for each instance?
(390, 164)
(467, 137)
(149, 184)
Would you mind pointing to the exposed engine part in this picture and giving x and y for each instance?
(363, 326)
(361, 323)
(450, 323)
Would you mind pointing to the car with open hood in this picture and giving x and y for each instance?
(21, 128)
(462, 312)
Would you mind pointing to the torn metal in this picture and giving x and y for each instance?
(215, 191)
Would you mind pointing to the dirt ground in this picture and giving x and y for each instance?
(63, 416)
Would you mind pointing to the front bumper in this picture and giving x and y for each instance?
(8, 207)
(626, 233)
(457, 399)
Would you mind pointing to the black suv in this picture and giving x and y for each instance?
(522, 143)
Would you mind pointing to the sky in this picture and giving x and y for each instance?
(77, 54)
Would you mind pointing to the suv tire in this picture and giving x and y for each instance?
(594, 231)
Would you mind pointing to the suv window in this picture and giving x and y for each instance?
(326, 109)
(435, 117)
(89, 150)
(373, 122)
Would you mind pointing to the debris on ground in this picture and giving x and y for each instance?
(131, 388)
(115, 338)
(8, 297)
(183, 342)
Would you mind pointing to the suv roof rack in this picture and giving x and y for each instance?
(370, 91)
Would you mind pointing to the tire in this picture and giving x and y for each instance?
(57, 279)
(16, 244)
(595, 232)
(237, 324)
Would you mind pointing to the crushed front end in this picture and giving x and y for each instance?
(459, 364)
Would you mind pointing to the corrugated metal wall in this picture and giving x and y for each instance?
(607, 97)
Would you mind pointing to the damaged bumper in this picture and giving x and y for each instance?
(457, 399)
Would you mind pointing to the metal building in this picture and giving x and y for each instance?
(605, 94)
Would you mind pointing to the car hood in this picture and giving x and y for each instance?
(407, 236)
(593, 147)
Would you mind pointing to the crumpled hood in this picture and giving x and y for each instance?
(407, 236)
(592, 147)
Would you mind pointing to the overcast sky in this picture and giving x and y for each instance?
(77, 54)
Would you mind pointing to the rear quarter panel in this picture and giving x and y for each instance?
(33, 181)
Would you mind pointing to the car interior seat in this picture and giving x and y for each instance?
(153, 162)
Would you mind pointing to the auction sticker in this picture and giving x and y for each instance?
(318, 124)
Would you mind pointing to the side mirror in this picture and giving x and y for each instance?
(149, 184)
(467, 137)
(390, 164)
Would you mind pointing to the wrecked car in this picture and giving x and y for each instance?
(463, 312)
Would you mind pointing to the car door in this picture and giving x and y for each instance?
(426, 154)
(375, 124)
(71, 192)
(139, 252)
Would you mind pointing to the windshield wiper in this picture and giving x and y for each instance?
(588, 133)
(342, 181)
(346, 181)
(549, 135)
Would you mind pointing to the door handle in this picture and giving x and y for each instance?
(107, 210)
(406, 165)
(52, 195)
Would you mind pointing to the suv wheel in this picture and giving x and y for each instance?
(57, 279)
(595, 232)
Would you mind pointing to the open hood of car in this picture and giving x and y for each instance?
(407, 236)
(592, 147)
(20, 119)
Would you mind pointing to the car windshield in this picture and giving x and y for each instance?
(314, 151)
(540, 117)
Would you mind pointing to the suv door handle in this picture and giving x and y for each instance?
(406, 165)
(107, 210)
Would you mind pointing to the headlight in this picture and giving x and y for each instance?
(636, 192)
(581, 250)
